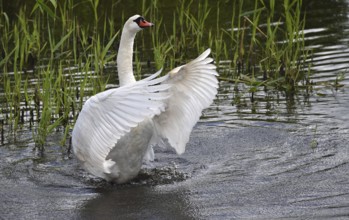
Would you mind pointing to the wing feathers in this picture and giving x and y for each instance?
(203, 55)
(109, 115)
(194, 86)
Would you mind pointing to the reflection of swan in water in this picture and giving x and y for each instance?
(137, 202)
(116, 128)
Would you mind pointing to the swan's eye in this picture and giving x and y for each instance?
(139, 20)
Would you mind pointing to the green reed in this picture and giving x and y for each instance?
(42, 68)
(259, 41)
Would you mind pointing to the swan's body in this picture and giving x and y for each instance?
(117, 128)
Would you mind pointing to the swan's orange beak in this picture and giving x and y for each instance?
(144, 24)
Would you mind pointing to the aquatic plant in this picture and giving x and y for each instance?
(45, 75)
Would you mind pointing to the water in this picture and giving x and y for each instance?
(272, 157)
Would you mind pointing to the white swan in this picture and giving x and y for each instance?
(116, 129)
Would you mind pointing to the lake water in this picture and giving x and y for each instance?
(273, 157)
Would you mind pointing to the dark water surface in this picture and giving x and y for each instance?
(275, 157)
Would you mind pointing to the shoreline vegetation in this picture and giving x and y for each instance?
(51, 61)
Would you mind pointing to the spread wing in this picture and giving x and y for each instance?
(193, 88)
(107, 116)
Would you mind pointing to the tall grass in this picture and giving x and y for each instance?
(267, 44)
(264, 39)
(52, 60)
(43, 68)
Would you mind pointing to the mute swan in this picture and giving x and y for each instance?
(116, 129)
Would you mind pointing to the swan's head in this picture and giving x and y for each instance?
(137, 23)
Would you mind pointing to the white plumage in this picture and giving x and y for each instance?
(116, 129)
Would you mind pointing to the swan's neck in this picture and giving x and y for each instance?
(124, 58)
